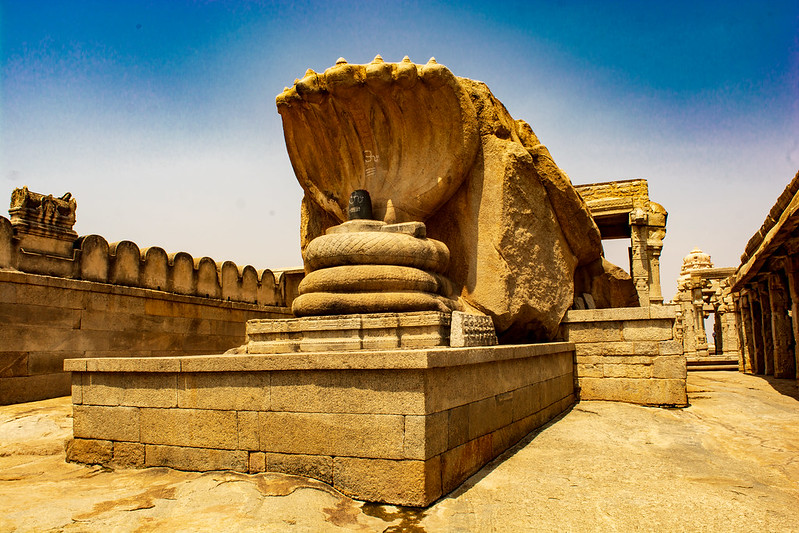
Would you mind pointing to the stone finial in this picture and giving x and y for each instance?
(695, 260)
(341, 61)
(406, 59)
(44, 212)
(378, 59)
(43, 222)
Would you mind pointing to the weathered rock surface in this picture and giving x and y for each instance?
(434, 148)
(726, 463)
(608, 285)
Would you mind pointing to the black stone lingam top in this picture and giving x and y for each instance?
(360, 206)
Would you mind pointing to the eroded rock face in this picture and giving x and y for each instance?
(434, 148)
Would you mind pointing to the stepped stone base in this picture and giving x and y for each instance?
(403, 427)
(628, 355)
(374, 331)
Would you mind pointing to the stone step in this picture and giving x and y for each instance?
(702, 368)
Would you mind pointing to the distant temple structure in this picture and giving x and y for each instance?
(622, 210)
(703, 290)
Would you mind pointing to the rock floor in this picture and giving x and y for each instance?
(729, 462)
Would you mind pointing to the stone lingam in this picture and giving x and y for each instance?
(372, 285)
(433, 226)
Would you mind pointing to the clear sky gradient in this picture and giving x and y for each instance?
(159, 116)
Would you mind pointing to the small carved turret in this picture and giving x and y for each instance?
(42, 222)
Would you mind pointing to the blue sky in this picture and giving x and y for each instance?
(159, 116)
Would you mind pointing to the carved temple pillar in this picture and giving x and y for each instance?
(759, 365)
(655, 233)
(639, 260)
(729, 328)
(718, 333)
(743, 321)
(686, 322)
(655, 293)
(792, 271)
(698, 302)
(784, 366)
(765, 326)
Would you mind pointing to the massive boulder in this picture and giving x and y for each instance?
(435, 148)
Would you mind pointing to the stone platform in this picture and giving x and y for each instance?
(400, 427)
(369, 331)
(628, 355)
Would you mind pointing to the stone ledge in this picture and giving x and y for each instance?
(638, 391)
(25, 278)
(620, 314)
(396, 359)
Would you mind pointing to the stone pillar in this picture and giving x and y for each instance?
(698, 302)
(639, 263)
(761, 290)
(655, 293)
(729, 332)
(743, 321)
(784, 366)
(792, 268)
(718, 332)
(687, 323)
(655, 233)
(759, 365)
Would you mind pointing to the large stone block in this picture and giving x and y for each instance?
(130, 389)
(669, 367)
(608, 349)
(486, 416)
(224, 390)
(248, 430)
(425, 436)
(49, 362)
(638, 391)
(590, 370)
(23, 313)
(649, 330)
(38, 293)
(23, 338)
(673, 347)
(594, 332)
(120, 301)
(257, 462)
(89, 451)
(199, 428)
(106, 423)
(457, 426)
(77, 388)
(349, 391)
(352, 435)
(33, 388)
(315, 466)
(405, 482)
(13, 364)
(128, 455)
(459, 463)
(195, 459)
(616, 370)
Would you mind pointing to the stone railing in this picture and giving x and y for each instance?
(123, 263)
